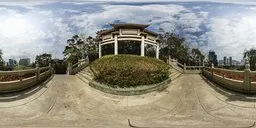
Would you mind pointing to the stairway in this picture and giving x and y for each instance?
(175, 70)
(85, 75)
(174, 74)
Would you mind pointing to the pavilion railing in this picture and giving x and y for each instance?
(11, 81)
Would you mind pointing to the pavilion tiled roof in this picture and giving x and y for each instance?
(127, 25)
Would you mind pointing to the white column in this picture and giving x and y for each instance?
(157, 51)
(142, 50)
(100, 54)
(116, 45)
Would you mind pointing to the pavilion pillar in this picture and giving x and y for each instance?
(157, 51)
(142, 51)
(116, 46)
(100, 54)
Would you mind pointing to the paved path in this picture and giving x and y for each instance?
(66, 101)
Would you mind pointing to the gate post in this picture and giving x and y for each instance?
(69, 72)
(37, 73)
(184, 68)
(247, 78)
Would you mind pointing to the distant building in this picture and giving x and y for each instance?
(242, 62)
(221, 62)
(212, 57)
(230, 61)
(12, 63)
(24, 62)
(225, 60)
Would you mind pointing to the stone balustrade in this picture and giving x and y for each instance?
(75, 68)
(36, 76)
(241, 81)
(184, 68)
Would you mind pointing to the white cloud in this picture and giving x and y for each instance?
(26, 3)
(37, 31)
(229, 37)
(197, 7)
(32, 33)
(90, 23)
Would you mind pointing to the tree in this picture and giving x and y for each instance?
(73, 50)
(44, 59)
(79, 47)
(196, 56)
(174, 46)
(1, 60)
(251, 54)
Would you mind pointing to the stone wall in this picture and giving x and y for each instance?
(131, 91)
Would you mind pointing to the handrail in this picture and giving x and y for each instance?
(44, 68)
(77, 67)
(21, 79)
(18, 72)
(226, 70)
(242, 81)
(194, 66)
(24, 72)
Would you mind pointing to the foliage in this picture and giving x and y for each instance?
(175, 46)
(129, 47)
(129, 70)
(21, 67)
(79, 47)
(252, 58)
(44, 59)
(59, 66)
(1, 60)
(13, 77)
(196, 56)
(150, 51)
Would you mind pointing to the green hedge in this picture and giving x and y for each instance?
(126, 71)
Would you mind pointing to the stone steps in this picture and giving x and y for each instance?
(174, 74)
(85, 75)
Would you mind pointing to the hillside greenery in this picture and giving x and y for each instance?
(127, 71)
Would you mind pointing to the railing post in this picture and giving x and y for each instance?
(184, 68)
(169, 59)
(37, 73)
(69, 69)
(212, 71)
(50, 68)
(247, 78)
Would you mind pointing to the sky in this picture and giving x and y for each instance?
(29, 28)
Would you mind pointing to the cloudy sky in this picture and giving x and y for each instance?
(28, 28)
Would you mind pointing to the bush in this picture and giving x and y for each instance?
(129, 70)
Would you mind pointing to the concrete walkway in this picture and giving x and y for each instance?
(66, 101)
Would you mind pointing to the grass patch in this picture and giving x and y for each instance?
(125, 71)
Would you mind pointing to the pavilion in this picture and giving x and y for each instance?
(135, 33)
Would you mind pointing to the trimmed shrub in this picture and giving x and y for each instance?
(127, 71)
